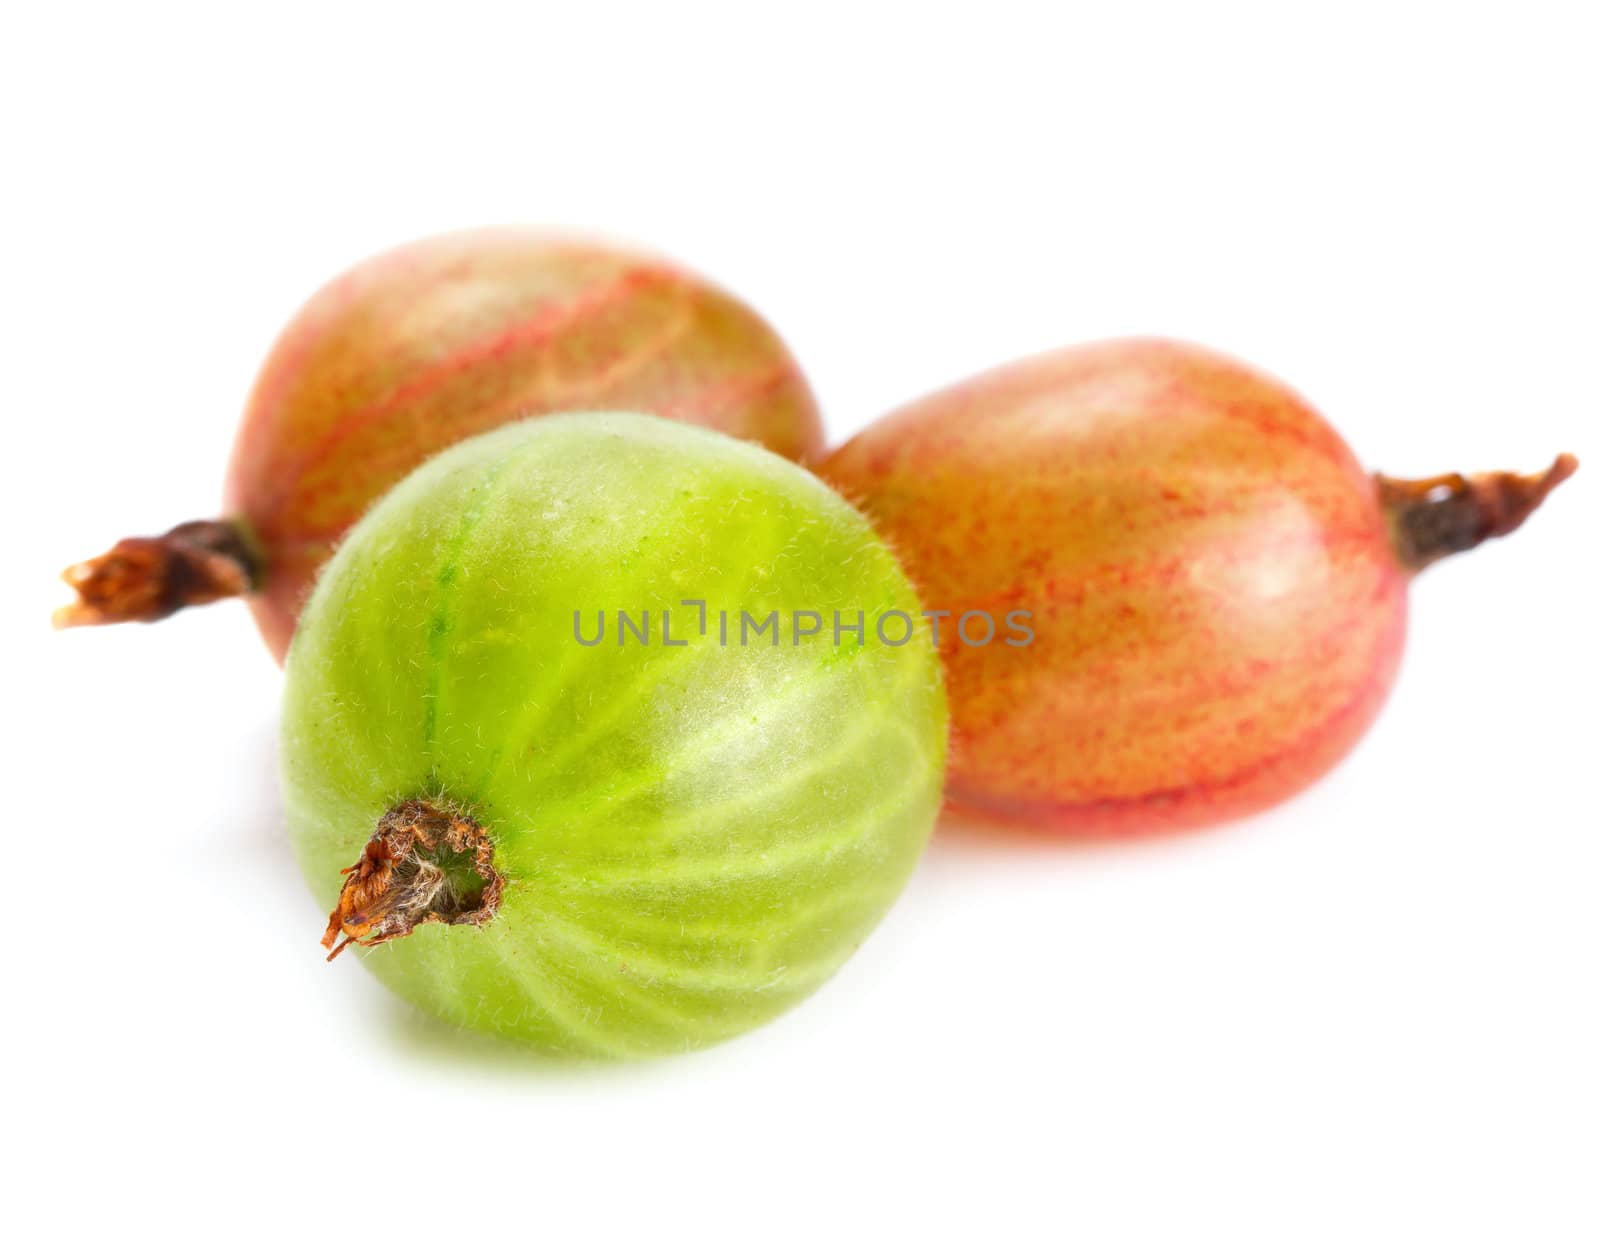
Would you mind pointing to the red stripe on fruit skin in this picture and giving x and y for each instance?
(1323, 441)
(1070, 585)
(532, 331)
(688, 410)
(1195, 806)
(534, 397)
(285, 362)
(628, 363)
(709, 399)
(1065, 590)
(332, 303)
(1205, 683)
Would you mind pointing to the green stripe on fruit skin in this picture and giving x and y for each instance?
(784, 849)
(813, 851)
(538, 987)
(546, 760)
(667, 518)
(718, 816)
(686, 978)
(703, 745)
(445, 989)
(552, 694)
(539, 710)
(632, 922)
(712, 819)
(871, 903)
(548, 995)
(540, 991)
(685, 1031)
(622, 701)
(689, 1032)
(611, 973)
(449, 572)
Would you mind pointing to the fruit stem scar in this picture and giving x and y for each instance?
(1438, 516)
(426, 862)
(143, 579)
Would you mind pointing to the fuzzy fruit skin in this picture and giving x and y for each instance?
(694, 837)
(423, 346)
(1218, 610)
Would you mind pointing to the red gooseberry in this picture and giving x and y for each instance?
(422, 347)
(1211, 590)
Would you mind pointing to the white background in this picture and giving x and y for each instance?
(1369, 1016)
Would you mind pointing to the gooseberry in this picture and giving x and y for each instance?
(1209, 591)
(574, 797)
(419, 348)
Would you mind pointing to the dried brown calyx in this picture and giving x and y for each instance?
(426, 862)
(1442, 515)
(142, 579)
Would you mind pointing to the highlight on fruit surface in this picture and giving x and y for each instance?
(1217, 588)
(424, 346)
(535, 756)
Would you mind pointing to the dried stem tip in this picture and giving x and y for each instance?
(424, 863)
(1442, 515)
(143, 579)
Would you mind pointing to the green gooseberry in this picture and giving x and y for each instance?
(637, 843)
